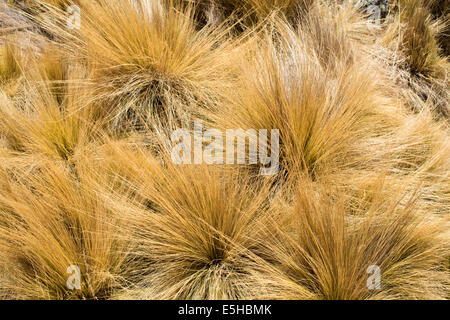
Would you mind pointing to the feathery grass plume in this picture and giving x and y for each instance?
(327, 250)
(199, 234)
(148, 61)
(421, 151)
(55, 70)
(321, 111)
(55, 219)
(86, 179)
(17, 28)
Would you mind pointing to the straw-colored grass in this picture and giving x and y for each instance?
(87, 179)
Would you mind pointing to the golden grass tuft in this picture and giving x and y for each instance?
(53, 220)
(149, 63)
(415, 31)
(203, 242)
(322, 107)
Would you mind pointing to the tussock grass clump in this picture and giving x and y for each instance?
(150, 64)
(50, 221)
(202, 243)
(87, 179)
(415, 32)
(328, 250)
(420, 41)
(321, 106)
